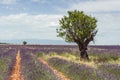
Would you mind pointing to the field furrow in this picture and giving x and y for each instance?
(16, 72)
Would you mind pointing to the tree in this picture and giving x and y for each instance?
(79, 28)
(24, 42)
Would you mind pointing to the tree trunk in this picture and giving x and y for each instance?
(83, 53)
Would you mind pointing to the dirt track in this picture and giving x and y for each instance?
(15, 73)
(58, 74)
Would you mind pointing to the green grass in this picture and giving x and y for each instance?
(40, 54)
(104, 57)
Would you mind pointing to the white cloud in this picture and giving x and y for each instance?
(28, 26)
(108, 28)
(41, 1)
(35, 0)
(7, 1)
(30, 20)
(95, 6)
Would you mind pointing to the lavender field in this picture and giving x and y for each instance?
(58, 62)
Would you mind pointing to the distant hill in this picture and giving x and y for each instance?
(4, 43)
(36, 41)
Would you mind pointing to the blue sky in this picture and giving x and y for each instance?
(38, 19)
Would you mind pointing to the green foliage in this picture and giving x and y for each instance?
(104, 58)
(1, 64)
(77, 27)
(40, 54)
(52, 54)
(24, 42)
(0, 77)
(65, 54)
(4, 67)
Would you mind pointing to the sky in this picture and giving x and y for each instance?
(38, 19)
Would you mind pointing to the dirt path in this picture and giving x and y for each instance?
(58, 74)
(15, 73)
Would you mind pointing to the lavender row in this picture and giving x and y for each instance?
(7, 60)
(109, 71)
(106, 47)
(65, 48)
(83, 72)
(32, 69)
(72, 70)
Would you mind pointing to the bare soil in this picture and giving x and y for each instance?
(15, 73)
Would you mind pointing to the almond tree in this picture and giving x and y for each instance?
(79, 28)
